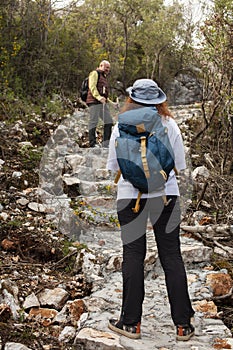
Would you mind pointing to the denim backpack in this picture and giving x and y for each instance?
(143, 150)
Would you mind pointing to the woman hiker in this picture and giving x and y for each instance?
(147, 98)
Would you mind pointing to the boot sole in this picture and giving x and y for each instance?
(184, 337)
(125, 333)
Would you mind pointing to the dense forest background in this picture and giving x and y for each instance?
(46, 50)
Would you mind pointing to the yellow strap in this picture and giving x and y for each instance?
(143, 156)
(137, 206)
(165, 201)
(164, 175)
(118, 175)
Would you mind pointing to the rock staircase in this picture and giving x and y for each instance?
(66, 164)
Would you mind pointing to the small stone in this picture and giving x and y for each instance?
(67, 334)
(7, 244)
(4, 216)
(22, 201)
(36, 207)
(17, 174)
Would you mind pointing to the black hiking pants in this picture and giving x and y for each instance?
(166, 225)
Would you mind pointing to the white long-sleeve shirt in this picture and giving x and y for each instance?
(125, 188)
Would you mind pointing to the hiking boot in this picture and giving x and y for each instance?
(130, 331)
(184, 332)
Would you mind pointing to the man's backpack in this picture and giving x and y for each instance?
(84, 88)
(143, 150)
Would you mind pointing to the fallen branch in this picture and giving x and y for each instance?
(227, 249)
(207, 228)
(202, 195)
(63, 259)
(24, 263)
(209, 235)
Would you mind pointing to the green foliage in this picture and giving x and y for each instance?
(22, 315)
(31, 156)
(14, 223)
(94, 215)
(13, 107)
(23, 334)
(215, 57)
(70, 256)
(45, 51)
(219, 264)
(67, 244)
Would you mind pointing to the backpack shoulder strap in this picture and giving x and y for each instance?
(118, 175)
(98, 72)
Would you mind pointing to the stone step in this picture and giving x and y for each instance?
(158, 331)
(85, 167)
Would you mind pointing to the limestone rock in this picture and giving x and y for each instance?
(207, 308)
(31, 301)
(43, 315)
(15, 346)
(53, 297)
(93, 339)
(196, 253)
(67, 334)
(201, 173)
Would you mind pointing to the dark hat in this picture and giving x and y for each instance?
(146, 91)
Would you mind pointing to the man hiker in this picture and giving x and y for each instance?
(97, 101)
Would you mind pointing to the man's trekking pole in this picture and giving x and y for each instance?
(103, 124)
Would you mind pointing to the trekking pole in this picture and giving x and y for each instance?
(103, 125)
